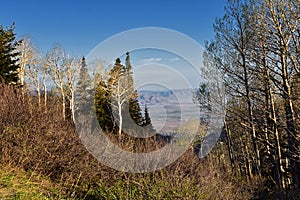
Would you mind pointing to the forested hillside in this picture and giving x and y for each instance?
(256, 48)
(256, 51)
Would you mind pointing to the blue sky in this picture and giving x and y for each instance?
(80, 25)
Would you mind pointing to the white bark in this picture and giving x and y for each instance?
(64, 70)
(28, 57)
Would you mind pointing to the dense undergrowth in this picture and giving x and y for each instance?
(42, 157)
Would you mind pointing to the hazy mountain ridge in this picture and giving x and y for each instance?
(169, 108)
(151, 97)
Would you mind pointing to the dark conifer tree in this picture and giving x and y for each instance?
(103, 108)
(135, 109)
(83, 87)
(147, 120)
(147, 117)
(133, 104)
(115, 93)
(9, 56)
(116, 73)
(127, 63)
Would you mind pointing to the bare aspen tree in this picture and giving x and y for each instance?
(37, 74)
(233, 39)
(31, 65)
(56, 69)
(72, 66)
(63, 69)
(99, 71)
(256, 47)
(28, 57)
(283, 46)
(120, 87)
(33, 75)
(264, 66)
(45, 73)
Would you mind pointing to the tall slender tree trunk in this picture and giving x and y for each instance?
(290, 121)
(248, 163)
(279, 21)
(72, 108)
(280, 169)
(38, 88)
(45, 94)
(45, 87)
(272, 123)
(39, 96)
(120, 111)
(229, 148)
(251, 118)
(63, 98)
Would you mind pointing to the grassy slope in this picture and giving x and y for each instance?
(18, 184)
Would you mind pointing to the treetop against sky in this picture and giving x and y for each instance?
(80, 25)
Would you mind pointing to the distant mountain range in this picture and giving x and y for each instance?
(169, 108)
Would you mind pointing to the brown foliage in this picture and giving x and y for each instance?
(42, 142)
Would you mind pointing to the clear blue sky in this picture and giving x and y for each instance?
(80, 25)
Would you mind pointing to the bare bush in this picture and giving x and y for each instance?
(43, 143)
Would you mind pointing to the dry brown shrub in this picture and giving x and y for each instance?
(41, 141)
(38, 139)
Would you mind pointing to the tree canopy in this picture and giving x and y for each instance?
(116, 100)
(9, 65)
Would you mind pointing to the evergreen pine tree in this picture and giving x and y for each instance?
(147, 120)
(116, 73)
(116, 100)
(128, 64)
(135, 109)
(83, 87)
(147, 117)
(9, 56)
(103, 107)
